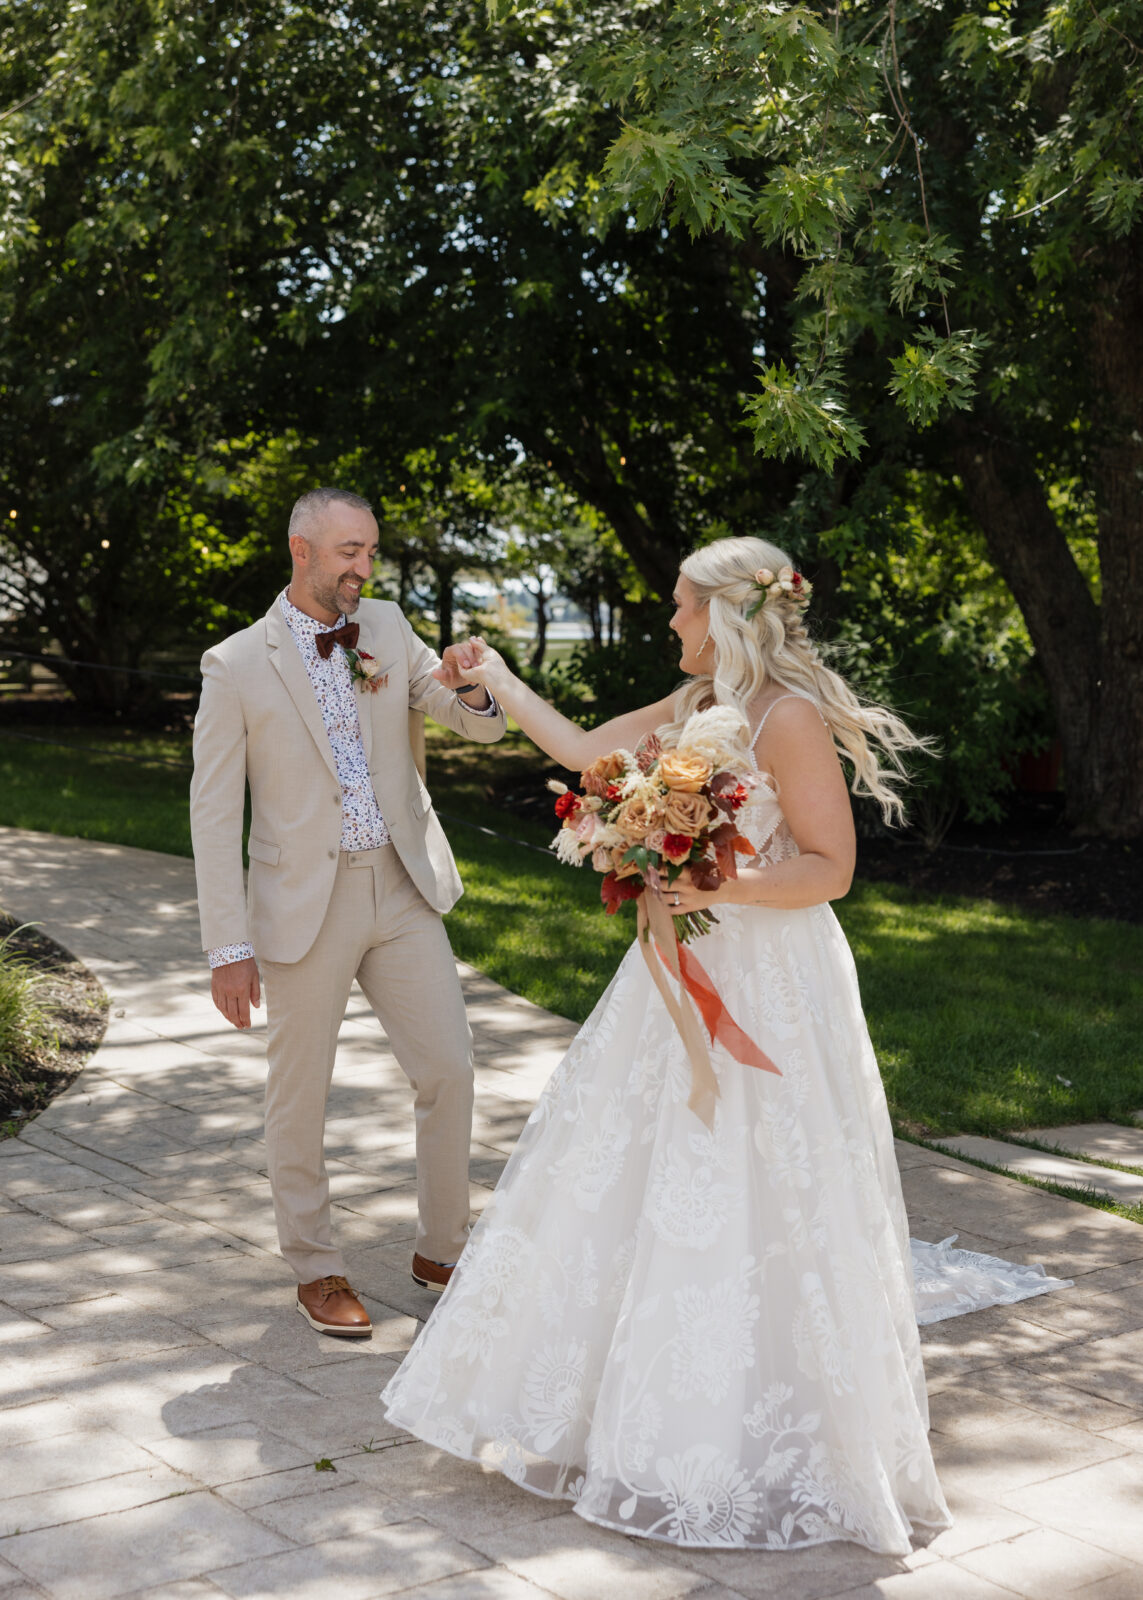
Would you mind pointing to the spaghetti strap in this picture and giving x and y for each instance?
(768, 710)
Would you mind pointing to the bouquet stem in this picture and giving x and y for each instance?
(693, 925)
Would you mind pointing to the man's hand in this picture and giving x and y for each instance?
(235, 988)
(457, 664)
(458, 661)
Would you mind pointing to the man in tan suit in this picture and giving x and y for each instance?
(349, 874)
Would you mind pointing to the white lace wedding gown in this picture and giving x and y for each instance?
(707, 1337)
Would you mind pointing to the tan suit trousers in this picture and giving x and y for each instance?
(380, 930)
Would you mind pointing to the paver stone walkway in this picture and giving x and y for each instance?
(171, 1428)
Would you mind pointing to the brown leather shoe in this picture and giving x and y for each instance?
(430, 1274)
(330, 1306)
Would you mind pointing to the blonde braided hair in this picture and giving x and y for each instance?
(774, 647)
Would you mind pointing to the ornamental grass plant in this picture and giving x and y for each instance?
(25, 1020)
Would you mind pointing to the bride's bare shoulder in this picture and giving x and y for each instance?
(782, 712)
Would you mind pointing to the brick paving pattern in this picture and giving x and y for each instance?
(162, 1406)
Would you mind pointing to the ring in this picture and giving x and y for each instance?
(676, 901)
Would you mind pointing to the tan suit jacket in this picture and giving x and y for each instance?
(259, 723)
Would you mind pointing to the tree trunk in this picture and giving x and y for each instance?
(536, 660)
(404, 576)
(1115, 351)
(1005, 495)
(444, 576)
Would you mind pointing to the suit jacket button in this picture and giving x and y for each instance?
(337, 799)
(332, 855)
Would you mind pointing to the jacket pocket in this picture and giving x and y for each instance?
(259, 850)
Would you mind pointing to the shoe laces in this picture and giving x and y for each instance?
(327, 1287)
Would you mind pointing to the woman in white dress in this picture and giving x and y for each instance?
(709, 1335)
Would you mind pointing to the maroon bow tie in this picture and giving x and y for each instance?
(346, 635)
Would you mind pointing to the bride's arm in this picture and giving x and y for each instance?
(564, 741)
(799, 753)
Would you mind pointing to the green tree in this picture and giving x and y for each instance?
(957, 203)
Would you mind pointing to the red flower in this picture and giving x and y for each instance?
(677, 847)
(738, 797)
(796, 580)
(614, 891)
(612, 792)
(566, 804)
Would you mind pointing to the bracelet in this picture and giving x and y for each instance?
(467, 688)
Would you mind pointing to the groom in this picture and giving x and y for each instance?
(349, 874)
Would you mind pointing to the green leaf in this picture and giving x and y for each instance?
(936, 372)
(796, 416)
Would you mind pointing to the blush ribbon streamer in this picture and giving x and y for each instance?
(655, 925)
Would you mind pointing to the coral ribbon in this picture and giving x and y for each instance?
(654, 923)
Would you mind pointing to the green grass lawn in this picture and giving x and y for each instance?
(979, 1013)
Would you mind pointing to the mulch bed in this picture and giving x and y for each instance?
(79, 1017)
(1029, 859)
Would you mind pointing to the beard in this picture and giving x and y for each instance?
(331, 594)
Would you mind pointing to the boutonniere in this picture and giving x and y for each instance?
(363, 670)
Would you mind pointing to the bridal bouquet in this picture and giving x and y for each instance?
(646, 815)
(642, 818)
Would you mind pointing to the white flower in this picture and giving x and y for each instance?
(552, 1388)
(556, 786)
(635, 1446)
(714, 1338)
(498, 1267)
(568, 847)
(708, 1496)
(823, 1352)
(717, 735)
(593, 1163)
(687, 1206)
(472, 1334)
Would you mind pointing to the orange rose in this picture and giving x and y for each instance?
(683, 773)
(601, 773)
(686, 813)
(621, 868)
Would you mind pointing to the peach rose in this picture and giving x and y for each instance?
(637, 818)
(686, 813)
(621, 868)
(654, 840)
(683, 773)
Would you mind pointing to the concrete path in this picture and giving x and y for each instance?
(1099, 1141)
(166, 1418)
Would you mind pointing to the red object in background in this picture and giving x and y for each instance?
(1040, 774)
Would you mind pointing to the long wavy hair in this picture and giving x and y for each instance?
(773, 647)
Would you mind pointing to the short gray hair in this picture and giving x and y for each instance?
(309, 507)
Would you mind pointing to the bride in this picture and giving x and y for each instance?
(706, 1335)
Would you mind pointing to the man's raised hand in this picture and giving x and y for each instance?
(458, 661)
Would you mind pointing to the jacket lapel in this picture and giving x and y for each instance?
(286, 659)
(379, 644)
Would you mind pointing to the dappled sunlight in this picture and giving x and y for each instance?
(163, 1397)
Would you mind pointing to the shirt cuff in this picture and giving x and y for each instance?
(224, 954)
(490, 710)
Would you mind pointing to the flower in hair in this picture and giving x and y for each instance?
(786, 582)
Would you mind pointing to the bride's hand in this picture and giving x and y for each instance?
(472, 661)
(682, 895)
(468, 663)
